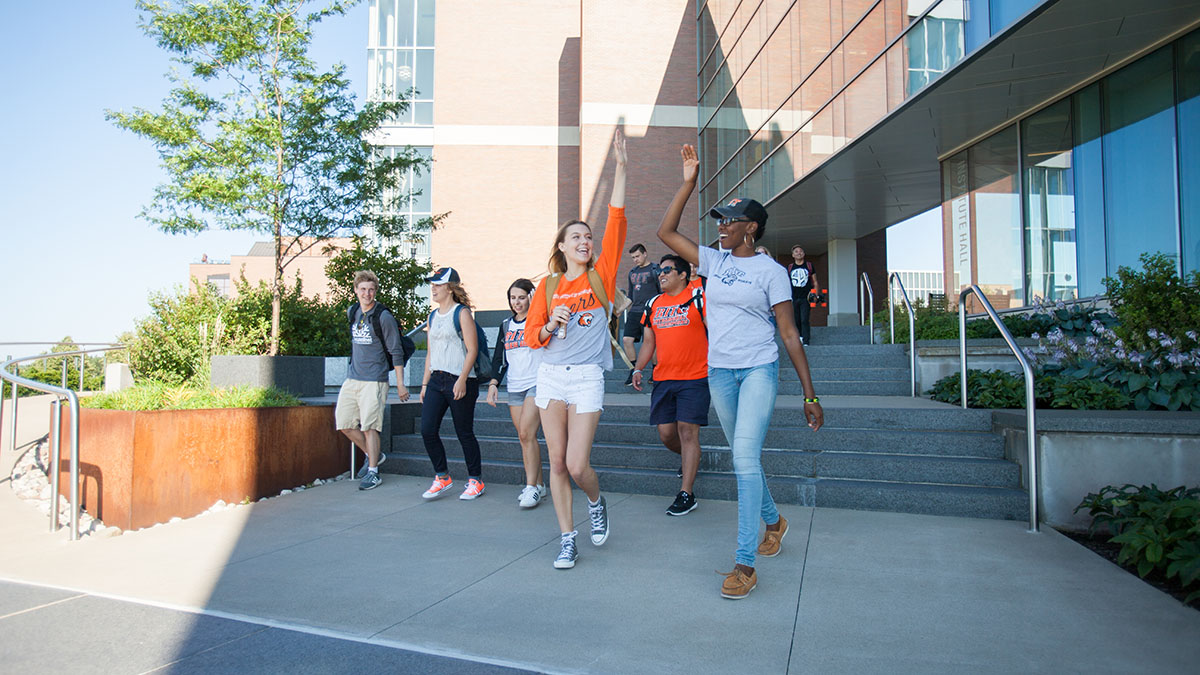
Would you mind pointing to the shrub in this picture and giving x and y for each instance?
(1159, 531)
(164, 396)
(1157, 300)
(1070, 393)
(175, 344)
(308, 326)
(937, 324)
(985, 389)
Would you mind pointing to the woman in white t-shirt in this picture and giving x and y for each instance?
(747, 296)
(520, 362)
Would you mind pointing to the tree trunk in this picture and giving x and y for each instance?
(276, 293)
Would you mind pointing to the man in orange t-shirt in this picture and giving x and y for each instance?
(679, 404)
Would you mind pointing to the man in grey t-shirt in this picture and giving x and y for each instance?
(361, 400)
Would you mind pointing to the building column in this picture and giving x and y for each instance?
(843, 282)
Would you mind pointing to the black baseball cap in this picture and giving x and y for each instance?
(443, 275)
(741, 208)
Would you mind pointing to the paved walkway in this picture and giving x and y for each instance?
(333, 579)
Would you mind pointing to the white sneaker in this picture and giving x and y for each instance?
(532, 495)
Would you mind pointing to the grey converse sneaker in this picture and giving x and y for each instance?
(362, 472)
(568, 553)
(370, 481)
(599, 518)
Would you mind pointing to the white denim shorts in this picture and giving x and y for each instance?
(581, 386)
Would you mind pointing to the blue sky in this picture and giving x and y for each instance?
(76, 259)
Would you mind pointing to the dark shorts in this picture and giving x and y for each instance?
(680, 401)
(633, 324)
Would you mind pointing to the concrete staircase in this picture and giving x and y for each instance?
(872, 453)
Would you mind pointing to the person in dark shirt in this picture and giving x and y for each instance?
(643, 285)
(804, 281)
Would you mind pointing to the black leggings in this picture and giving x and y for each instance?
(801, 310)
(439, 396)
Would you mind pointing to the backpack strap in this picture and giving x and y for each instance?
(597, 285)
(551, 286)
(457, 321)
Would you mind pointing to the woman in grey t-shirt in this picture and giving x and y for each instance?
(748, 295)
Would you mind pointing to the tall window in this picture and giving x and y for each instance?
(400, 56)
(1049, 204)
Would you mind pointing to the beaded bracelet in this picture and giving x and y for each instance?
(814, 399)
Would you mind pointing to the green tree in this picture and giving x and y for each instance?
(399, 279)
(254, 137)
(49, 370)
(309, 326)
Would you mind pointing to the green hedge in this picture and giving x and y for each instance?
(165, 396)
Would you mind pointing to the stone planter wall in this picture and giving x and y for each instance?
(1080, 452)
(300, 375)
(938, 358)
(141, 468)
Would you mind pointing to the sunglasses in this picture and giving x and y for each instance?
(730, 221)
(666, 270)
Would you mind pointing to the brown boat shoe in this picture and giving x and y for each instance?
(773, 539)
(738, 583)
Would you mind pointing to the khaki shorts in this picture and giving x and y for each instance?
(361, 403)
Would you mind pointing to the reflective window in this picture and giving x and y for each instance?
(1188, 111)
(1088, 157)
(996, 206)
(934, 45)
(400, 56)
(1049, 204)
(1139, 160)
(956, 222)
(1004, 12)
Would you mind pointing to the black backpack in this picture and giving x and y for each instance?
(407, 346)
(483, 365)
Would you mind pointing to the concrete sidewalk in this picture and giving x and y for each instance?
(333, 579)
(852, 591)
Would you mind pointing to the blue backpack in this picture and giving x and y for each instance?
(483, 366)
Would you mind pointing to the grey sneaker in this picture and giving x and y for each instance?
(568, 553)
(370, 481)
(599, 518)
(362, 472)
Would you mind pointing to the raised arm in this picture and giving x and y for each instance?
(668, 230)
(618, 191)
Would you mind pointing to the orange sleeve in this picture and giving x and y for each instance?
(611, 249)
(537, 316)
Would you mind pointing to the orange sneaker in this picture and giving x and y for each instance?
(440, 485)
(474, 489)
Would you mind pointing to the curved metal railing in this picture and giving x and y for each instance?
(56, 425)
(912, 327)
(1027, 371)
(866, 306)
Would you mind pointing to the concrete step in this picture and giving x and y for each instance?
(892, 419)
(840, 335)
(869, 441)
(793, 387)
(776, 462)
(949, 500)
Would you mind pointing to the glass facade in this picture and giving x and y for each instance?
(1106, 174)
(400, 60)
(400, 56)
(785, 84)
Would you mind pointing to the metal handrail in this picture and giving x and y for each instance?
(912, 327)
(55, 458)
(1027, 371)
(866, 312)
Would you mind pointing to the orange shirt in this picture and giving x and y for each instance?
(680, 339)
(586, 338)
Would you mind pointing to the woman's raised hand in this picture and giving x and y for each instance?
(619, 147)
(691, 164)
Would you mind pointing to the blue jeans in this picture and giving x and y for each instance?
(744, 399)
